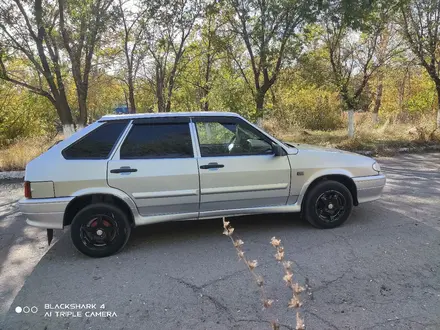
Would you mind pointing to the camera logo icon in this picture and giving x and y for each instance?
(26, 309)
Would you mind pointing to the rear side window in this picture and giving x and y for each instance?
(146, 141)
(97, 144)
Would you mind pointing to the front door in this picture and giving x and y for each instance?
(238, 169)
(155, 165)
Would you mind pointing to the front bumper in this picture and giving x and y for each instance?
(44, 212)
(369, 188)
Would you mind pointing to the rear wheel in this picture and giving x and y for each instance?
(328, 204)
(100, 230)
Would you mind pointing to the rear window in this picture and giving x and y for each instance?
(97, 144)
(158, 141)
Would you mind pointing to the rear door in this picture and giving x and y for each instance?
(238, 168)
(155, 165)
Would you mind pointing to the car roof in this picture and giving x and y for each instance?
(170, 114)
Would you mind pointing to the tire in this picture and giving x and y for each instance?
(100, 230)
(328, 204)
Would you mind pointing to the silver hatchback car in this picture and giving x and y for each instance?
(130, 170)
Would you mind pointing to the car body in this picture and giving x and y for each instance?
(178, 166)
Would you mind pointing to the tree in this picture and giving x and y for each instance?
(381, 58)
(212, 46)
(421, 27)
(29, 32)
(352, 35)
(81, 24)
(133, 35)
(269, 30)
(169, 25)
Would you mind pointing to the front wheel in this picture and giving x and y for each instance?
(328, 204)
(100, 230)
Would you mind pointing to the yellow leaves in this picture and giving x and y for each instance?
(267, 303)
(275, 242)
(252, 264)
(287, 265)
(299, 322)
(288, 277)
(228, 231)
(279, 255)
(297, 288)
(275, 325)
(238, 243)
(294, 302)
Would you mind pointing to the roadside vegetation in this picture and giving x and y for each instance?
(384, 139)
(349, 74)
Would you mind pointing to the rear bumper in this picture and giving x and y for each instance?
(44, 212)
(369, 188)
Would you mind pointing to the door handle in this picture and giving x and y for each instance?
(212, 165)
(123, 169)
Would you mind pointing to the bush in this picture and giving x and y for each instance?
(23, 114)
(310, 108)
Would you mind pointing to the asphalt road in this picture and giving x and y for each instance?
(380, 270)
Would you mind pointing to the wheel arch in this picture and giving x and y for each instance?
(343, 177)
(90, 196)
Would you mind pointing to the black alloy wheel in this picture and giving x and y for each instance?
(328, 204)
(100, 230)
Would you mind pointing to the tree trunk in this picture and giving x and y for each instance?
(438, 117)
(131, 98)
(378, 101)
(206, 88)
(259, 102)
(65, 115)
(438, 108)
(350, 123)
(159, 90)
(402, 93)
(82, 104)
(132, 107)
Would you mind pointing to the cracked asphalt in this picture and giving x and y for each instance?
(380, 270)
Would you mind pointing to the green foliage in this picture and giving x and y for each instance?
(23, 114)
(308, 107)
(309, 59)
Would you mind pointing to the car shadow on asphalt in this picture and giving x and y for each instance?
(192, 229)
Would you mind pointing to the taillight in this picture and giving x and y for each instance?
(27, 189)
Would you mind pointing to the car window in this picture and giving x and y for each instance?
(230, 138)
(158, 141)
(97, 144)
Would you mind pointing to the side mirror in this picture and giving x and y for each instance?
(277, 150)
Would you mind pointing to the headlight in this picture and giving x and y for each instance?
(376, 167)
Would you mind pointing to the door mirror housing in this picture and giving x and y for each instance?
(277, 150)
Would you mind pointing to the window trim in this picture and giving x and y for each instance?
(237, 121)
(164, 122)
(109, 155)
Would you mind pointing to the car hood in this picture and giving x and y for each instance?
(294, 148)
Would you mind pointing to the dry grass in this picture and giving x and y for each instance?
(295, 302)
(380, 139)
(16, 156)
